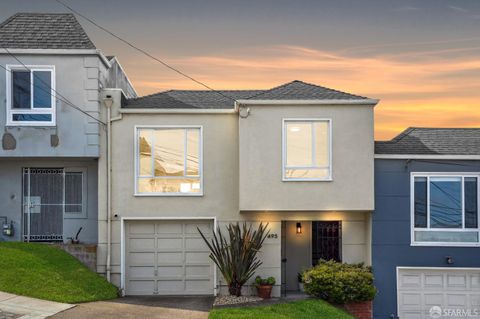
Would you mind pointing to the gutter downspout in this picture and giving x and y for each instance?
(108, 101)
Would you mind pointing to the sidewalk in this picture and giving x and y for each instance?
(19, 307)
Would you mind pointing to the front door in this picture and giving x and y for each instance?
(326, 241)
(43, 204)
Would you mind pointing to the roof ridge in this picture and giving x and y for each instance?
(8, 20)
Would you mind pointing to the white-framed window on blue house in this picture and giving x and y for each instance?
(444, 209)
(169, 161)
(30, 95)
(307, 149)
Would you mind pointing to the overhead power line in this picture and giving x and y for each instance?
(165, 64)
(57, 94)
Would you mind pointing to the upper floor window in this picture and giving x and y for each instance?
(445, 209)
(307, 150)
(31, 95)
(169, 161)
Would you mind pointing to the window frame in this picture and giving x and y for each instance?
(10, 68)
(428, 175)
(137, 162)
(83, 214)
(329, 178)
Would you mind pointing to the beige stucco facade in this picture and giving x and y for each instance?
(242, 179)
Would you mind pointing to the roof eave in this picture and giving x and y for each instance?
(97, 52)
(428, 156)
(371, 102)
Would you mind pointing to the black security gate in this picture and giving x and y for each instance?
(326, 241)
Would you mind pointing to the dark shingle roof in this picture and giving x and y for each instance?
(43, 31)
(432, 141)
(296, 90)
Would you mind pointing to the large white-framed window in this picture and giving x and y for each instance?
(169, 160)
(444, 209)
(30, 95)
(307, 149)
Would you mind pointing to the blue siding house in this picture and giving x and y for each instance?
(425, 231)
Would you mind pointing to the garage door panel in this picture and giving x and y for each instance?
(167, 227)
(197, 258)
(141, 271)
(166, 258)
(434, 281)
(141, 228)
(192, 271)
(141, 287)
(410, 280)
(195, 244)
(141, 258)
(170, 243)
(141, 244)
(172, 260)
(420, 289)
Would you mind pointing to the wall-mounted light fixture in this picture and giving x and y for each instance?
(299, 228)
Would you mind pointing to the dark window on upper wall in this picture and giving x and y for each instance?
(41, 89)
(471, 202)
(420, 202)
(21, 89)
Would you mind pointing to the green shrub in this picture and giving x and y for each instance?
(261, 281)
(340, 283)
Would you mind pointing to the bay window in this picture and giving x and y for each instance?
(307, 150)
(445, 209)
(169, 161)
(31, 95)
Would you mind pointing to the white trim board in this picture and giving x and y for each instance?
(122, 244)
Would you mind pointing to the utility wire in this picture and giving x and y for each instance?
(62, 98)
(145, 52)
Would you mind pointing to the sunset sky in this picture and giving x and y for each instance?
(420, 58)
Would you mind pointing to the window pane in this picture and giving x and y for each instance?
(32, 117)
(321, 173)
(73, 192)
(193, 152)
(446, 236)
(21, 89)
(321, 144)
(471, 202)
(299, 144)
(42, 97)
(445, 202)
(145, 152)
(420, 204)
(169, 185)
(169, 152)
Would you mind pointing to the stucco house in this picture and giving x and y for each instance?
(289, 156)
(425, 241)
(50, 115)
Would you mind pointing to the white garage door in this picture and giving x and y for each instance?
(420, 289)
(167, 258)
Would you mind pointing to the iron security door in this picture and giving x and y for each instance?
(43, 204)
(326, 241)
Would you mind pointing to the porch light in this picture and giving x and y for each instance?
(299, 228)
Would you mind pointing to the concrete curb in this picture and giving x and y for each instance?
(30, 308)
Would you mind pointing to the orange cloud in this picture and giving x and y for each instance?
(430, 88)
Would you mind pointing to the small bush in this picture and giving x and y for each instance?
(340, 283)
(261, 281)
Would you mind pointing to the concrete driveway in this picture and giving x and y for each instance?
(154, 307)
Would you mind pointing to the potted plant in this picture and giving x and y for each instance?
(264, 286)
(300, 282)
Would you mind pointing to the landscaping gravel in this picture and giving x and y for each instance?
(233, 300)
